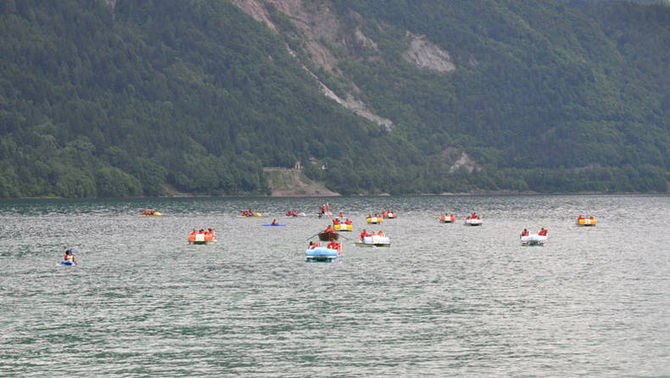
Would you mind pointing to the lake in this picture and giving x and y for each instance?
(444, 299)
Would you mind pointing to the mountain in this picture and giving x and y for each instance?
(128, 97)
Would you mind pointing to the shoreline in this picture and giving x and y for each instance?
(445, 194)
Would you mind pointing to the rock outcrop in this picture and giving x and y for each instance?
(427, 55)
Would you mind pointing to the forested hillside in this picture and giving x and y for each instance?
(129, 97)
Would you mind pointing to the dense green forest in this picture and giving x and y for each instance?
(156, 96)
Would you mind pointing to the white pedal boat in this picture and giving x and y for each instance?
(533, 239)
(473, 221)
(374, 241)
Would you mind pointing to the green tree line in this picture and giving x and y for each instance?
(196, 96)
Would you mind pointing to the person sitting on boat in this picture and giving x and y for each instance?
(311, 245)
(209, 234)
(364, 234)
(274, 222)
(581, 217)
(329, 229)
(384, 214)
(381, 233)
(591, 217)
(341, 215)
(69, 256)
(336, 221)
(542, 232)
(332, 245)
(524, 233)
(348, 221)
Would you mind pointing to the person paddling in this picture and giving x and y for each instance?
(69, 256)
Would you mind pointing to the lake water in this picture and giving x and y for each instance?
(444, 299)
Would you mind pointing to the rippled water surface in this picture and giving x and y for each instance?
(445, 299)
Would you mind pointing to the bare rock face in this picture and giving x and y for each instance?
(292, 183)
(463, 161)
(427, 55)
(363, 40)
(322, 30)
(316, 21)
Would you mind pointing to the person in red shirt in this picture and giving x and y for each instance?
(524, 232)
(329, 229)
(336, 221)
(364, 234)
(348, 221)
(542, 232)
